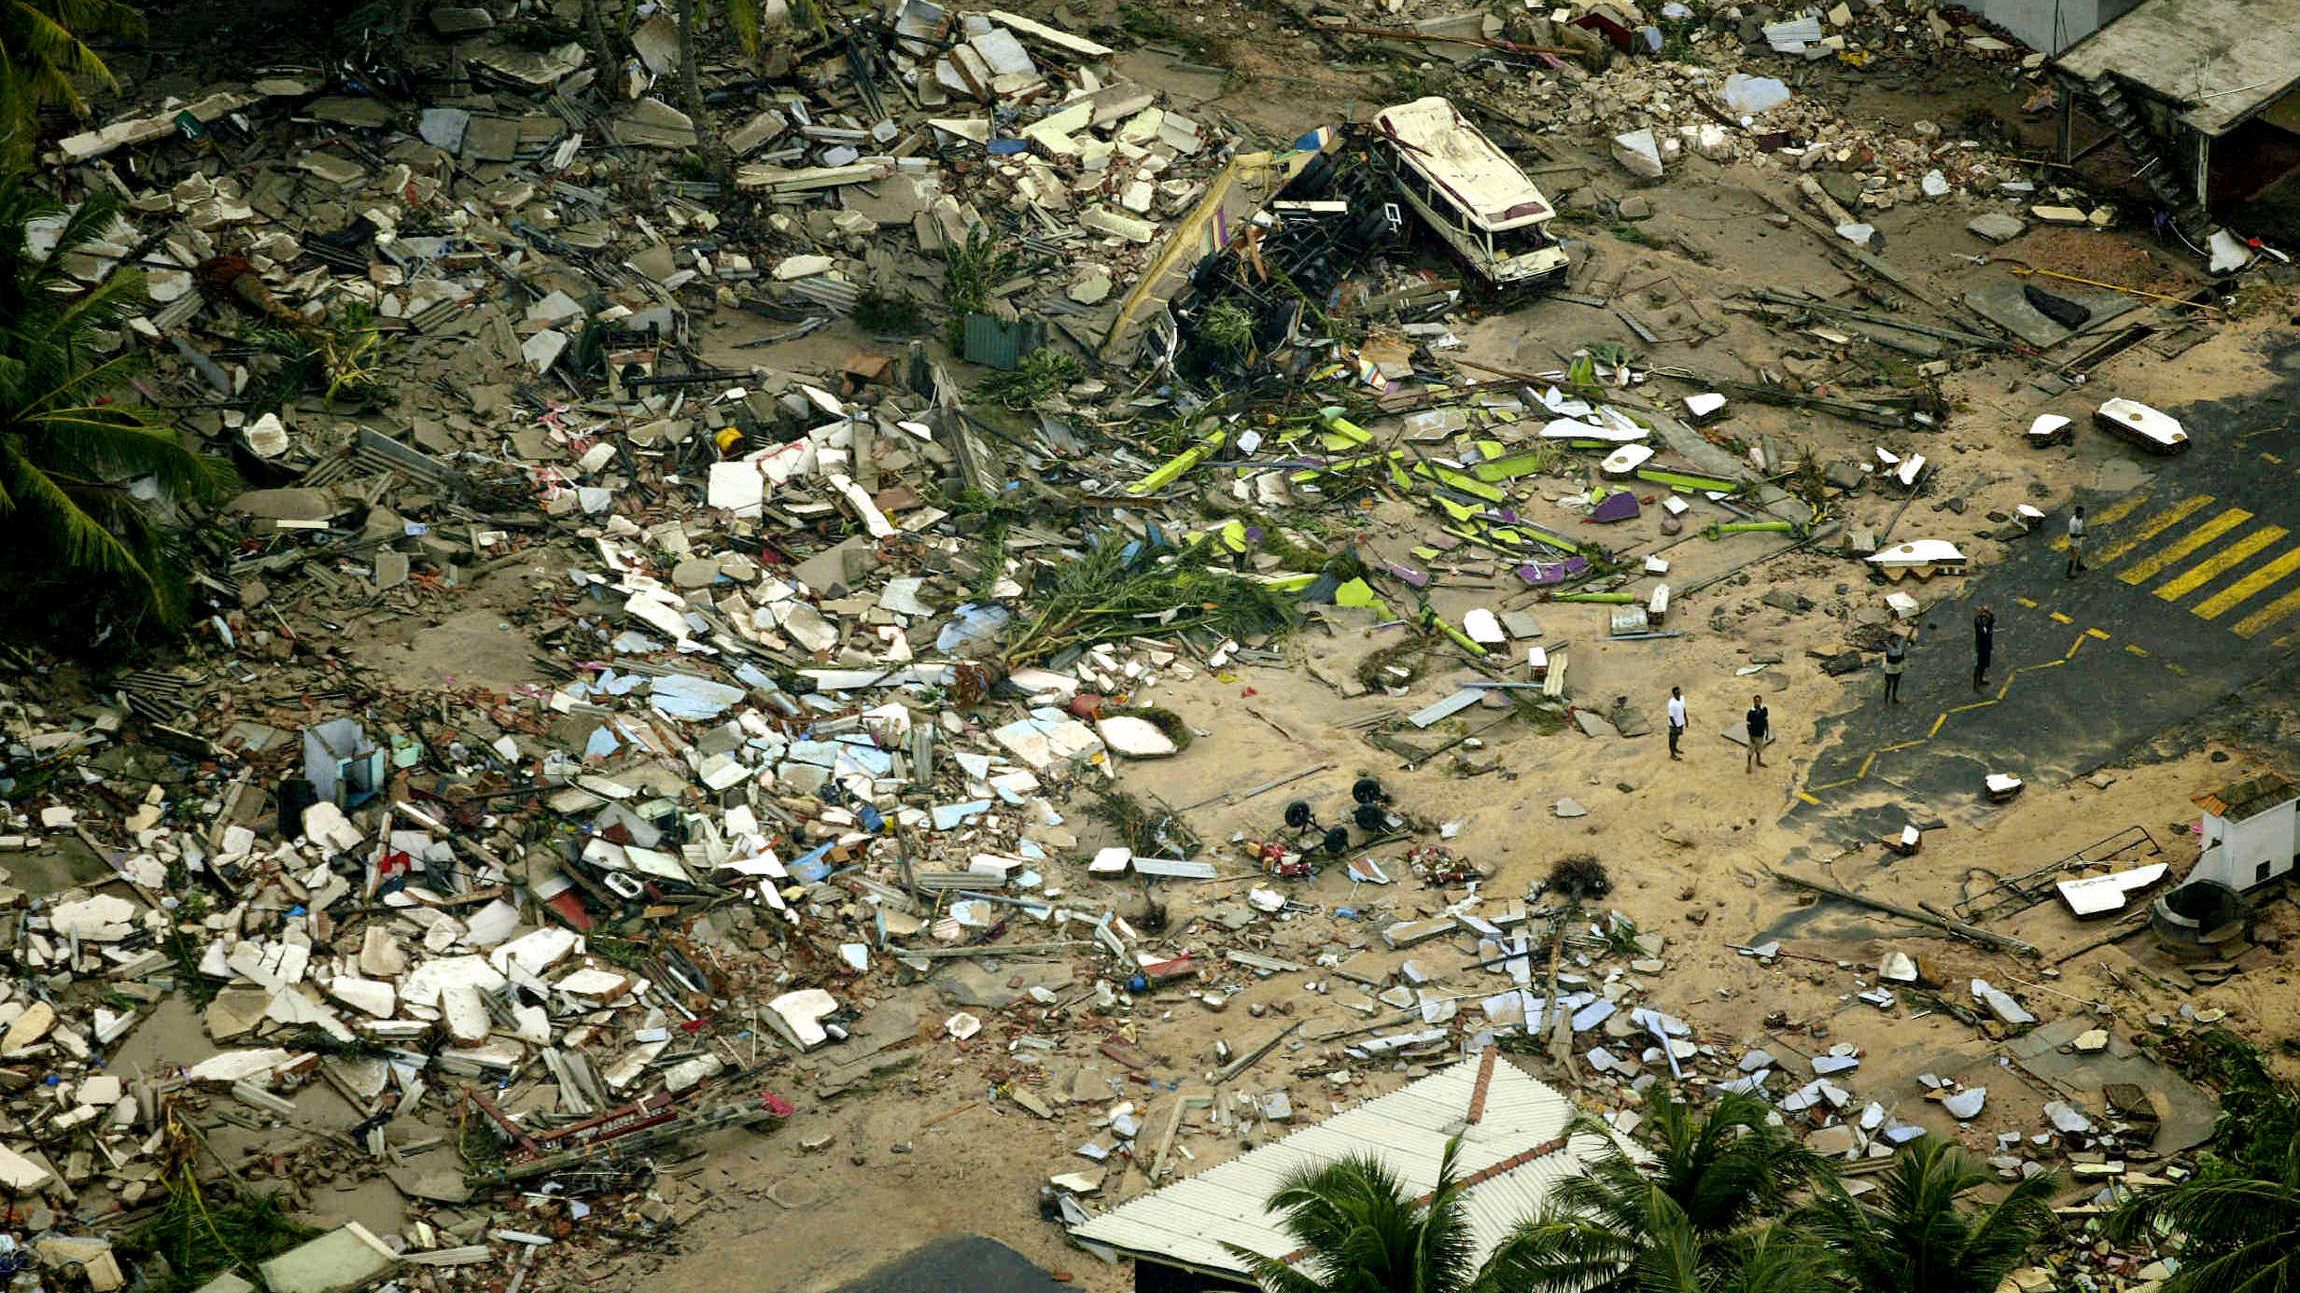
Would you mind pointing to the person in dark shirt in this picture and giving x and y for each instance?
(1760, 731)
(1984, 644)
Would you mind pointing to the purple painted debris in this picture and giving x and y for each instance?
(1614, 507)
(1553, 572)
(1417, 578)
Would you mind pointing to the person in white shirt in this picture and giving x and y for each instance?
(1676, 720)
(2076, 542)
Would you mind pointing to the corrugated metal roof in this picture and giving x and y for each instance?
(1189, 1221)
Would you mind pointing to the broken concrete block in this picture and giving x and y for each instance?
(802, 1013)
(19, 1174)
(806, 266)
(2067, 1119)
(336, 1262)
(369, 996)
(652, 123)
(1091, 286)
(1834, 1141)
(29, 1029)
(1104, 220)
(1135, 738)
(465, 1013)
(1996, 227)
(443, 128)
(461, 20)
(1638, 154)
(543, 349)
(99, 918)
(2001, 1003)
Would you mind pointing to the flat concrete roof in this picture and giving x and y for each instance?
(2221, 60)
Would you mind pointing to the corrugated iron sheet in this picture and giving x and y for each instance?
(999, 343)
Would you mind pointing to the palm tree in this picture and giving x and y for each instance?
(1359, 1232)
(2236, 1224)
(2239, 1231)
(1643, 1242)
(45, 59)
(1920, 1235)
(68, 450)
(1726, 1165)
(1681, 1220)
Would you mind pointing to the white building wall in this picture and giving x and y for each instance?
(2053, 25)
(2250, 852)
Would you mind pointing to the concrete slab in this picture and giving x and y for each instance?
(336, 1262)
(2002, 302)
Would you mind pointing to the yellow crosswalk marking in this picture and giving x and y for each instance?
(2109, 515)
(2218, 564)
(2250, 586)
(2152, 565)
(2268, 615)
(2149, 528)
(2121, 508)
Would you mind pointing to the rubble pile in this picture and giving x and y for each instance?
(815, 767)
(1016, 121)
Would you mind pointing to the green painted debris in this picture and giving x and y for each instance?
(1181, 463)
(1719, 529)
(1685, 481)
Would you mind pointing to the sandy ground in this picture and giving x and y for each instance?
(933, 1150)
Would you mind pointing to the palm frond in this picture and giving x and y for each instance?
(1557, 1252)
(80, 539)
(1916, 1234)
(110, 441)
(2235, 1232)
(1774, 1258)
(1273, 1273)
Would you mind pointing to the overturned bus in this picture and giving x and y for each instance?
(1470, 193)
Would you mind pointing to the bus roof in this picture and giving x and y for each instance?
(1444, 148)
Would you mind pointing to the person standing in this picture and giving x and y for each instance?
(1896, 659)
(1984, 644)
(2076, 542)
(1676, 720)
(1760, 723)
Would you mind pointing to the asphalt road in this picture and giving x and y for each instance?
(962, 1264)
(2192, 592)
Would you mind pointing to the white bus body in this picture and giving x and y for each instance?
(1470, 192)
